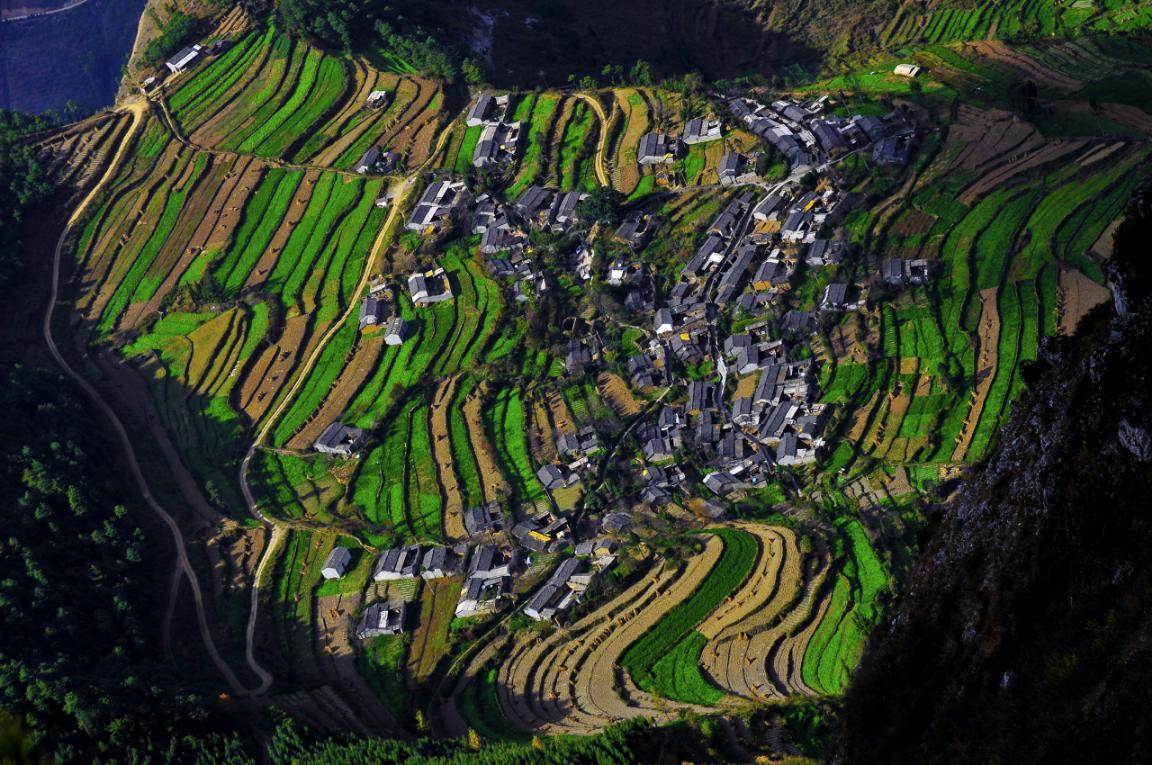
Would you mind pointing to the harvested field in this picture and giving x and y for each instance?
(1078, 295)
(987, 355)
(454, 530)
(495, 486)
(270, 371)
(618, 395)
(358, 367)
(999, 53)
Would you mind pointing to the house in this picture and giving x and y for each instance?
(484, 106)
(498, 143)
(723, 484)
(798, 323)
(369, 161)
(397, 563)
(584, 442)
(482, 519)
(564, 209)
(501, 236)
(731, 169)
(562, 591)
(439, 562)
(430, 287)
(488, 561)
(440, 202)
(656, 149)
(555, 477)
(664, 323)
(701, 130)
(377, 99)
(382, 619)
(823, 252)
(395, 331)
(893, 150)
(336, 564)
(907, 70)
(835, 298)
(659, 449)
(482, 595)
(183, 59)
(372, 312)
(635, 229)
(616, 523)
(768, 207)
(892, 271)
(338, 439)
(792, 451)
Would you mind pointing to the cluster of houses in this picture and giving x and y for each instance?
(659, 149)
(489, 569)
(499, 141)
(807, 137)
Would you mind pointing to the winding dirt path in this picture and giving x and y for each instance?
(602, 175)
(136, 108)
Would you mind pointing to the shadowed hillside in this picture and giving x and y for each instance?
(1022, 636)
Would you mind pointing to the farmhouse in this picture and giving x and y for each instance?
(336, 564)
(396, 331)
(183, 59)
(498, 143)
(635, 229)
(382, 619)
(369, 162)
(731, 167)
(338, 439)
(562, 591)
(397, 563)
(791, 451)
(702, 130)
(487, 109)
(482, 595)
(907, 70)
(656, 149)
(502, 236)
(488, 561)
(441, 201)
(835, 298)
(430, 287)
(440, 562)
(372, 312)
(483, 519)
(584, 442)
(556, 476)
(377, 99)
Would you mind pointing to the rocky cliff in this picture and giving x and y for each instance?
(1024, 634)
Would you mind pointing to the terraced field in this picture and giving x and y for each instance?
(272, 96)
(1001, 214)
(735, 623)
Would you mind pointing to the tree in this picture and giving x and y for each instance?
(603, 205)
(641, 73)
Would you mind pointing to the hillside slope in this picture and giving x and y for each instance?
(1023, 633)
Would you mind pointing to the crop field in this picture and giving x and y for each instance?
(536, 147)
(225, 261)
(952, 356)
(271, 96)
(1012, 19)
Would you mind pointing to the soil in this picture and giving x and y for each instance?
(987, 354)
(494, 485)
(618, 395)
(365, 356)
(442, 452)
(1078, 295)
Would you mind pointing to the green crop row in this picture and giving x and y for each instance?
(677, 674)
(734, 566)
